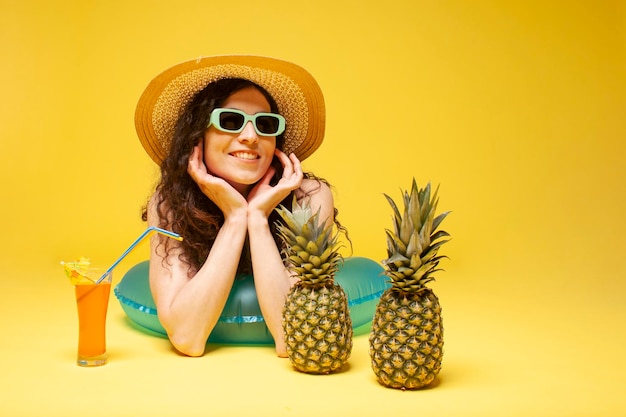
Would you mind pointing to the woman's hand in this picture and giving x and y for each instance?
(272, 282)
(219, 191)
(265, 197)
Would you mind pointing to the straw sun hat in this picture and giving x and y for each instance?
(297, 94)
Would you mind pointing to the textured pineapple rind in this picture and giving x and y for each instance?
(318, 328)
(406, 341)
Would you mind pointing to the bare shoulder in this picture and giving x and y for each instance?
(157, 208)
(311, 186)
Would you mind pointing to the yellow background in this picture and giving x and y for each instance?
(515, 107)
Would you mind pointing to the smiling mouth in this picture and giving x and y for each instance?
(245, 155)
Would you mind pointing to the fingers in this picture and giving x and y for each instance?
(196, 167)
(292, 169)
(285, 162)
(193, 158)
(296, 165)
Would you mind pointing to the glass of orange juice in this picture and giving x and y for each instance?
(92, 300)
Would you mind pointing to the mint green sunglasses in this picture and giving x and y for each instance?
(234, 121)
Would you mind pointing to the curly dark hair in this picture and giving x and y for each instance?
(181, 206)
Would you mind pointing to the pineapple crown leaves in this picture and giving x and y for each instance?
(311, 249)
(414, 242)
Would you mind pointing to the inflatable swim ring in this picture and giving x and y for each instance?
(241, 321)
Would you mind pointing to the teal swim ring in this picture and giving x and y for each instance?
(241, 321)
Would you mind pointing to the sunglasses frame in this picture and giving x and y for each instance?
(214, 120)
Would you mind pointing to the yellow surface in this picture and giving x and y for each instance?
(515, 107)
(562, 359)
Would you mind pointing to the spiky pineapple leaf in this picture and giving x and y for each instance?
(311, 249)
(395, 242)
(396, 214)
(424, 199)
(438, 235)
(437, 221)
(414, 242)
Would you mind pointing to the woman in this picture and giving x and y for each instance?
(229, 133)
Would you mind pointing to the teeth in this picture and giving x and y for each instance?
(245, 155)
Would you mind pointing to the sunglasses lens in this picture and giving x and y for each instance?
(231, 121)
(234, 121)
(267, 124)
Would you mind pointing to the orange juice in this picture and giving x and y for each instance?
(92, 301)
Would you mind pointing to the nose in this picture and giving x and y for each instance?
(248, 134)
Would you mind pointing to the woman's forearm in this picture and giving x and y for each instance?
(190, 308)
(271, 279)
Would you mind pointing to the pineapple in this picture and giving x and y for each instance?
(406, 340)
(316, 319)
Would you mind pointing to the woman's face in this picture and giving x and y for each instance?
(242, 158)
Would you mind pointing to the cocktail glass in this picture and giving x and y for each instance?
(92, 299)
(93, 287)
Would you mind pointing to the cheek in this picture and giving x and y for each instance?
(210, 155)
(270, 145)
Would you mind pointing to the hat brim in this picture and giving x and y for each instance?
(297, 95)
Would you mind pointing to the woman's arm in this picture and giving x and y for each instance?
(189, 308)
(271, 279)
(189, 303)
